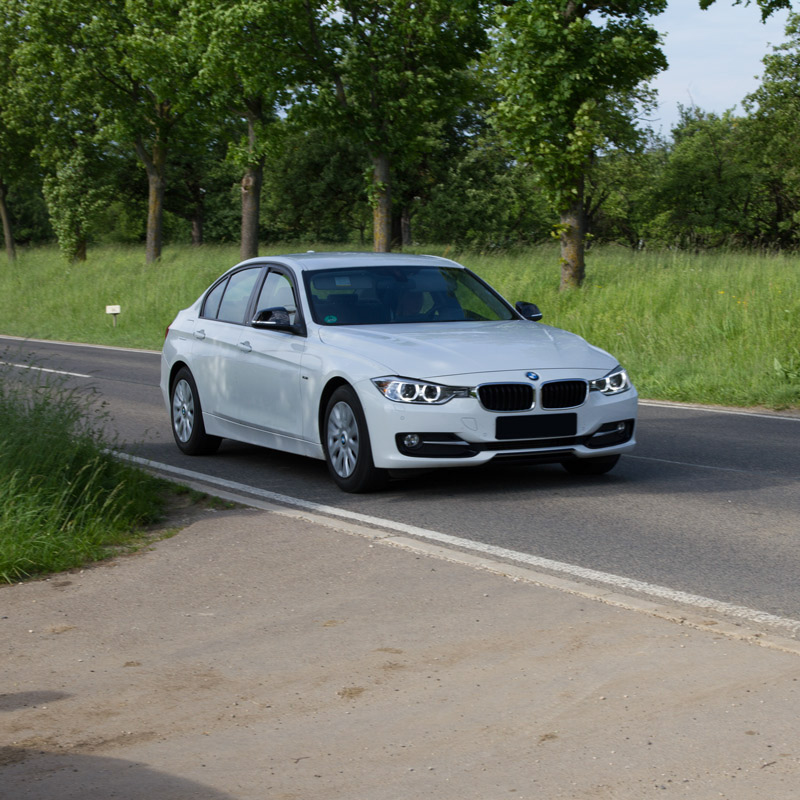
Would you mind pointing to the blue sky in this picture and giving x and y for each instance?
(714, 56)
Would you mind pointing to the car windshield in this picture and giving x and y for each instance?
(394, 295)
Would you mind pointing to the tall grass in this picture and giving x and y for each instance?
(694, 327)
(64, 500)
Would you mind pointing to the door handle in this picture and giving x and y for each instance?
(245, 347)
(201, 334)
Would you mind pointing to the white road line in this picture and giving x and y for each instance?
(713, 410)
(689, 464)
(82, 344)
(582, 573)
(44, 369)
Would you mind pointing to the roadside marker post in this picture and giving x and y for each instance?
(113, 310)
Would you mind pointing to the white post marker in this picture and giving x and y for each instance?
(113, 310)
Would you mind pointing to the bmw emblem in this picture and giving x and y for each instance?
(532, 376)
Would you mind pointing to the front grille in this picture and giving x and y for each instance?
(506, 396)
(564, 394)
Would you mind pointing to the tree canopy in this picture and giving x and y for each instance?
(571, 79)
(470, 122)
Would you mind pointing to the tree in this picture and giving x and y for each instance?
(620, 198)
(14, 152)
(706, 188)
(15, 148)
(571, 75)
(388, 72)
(773, 128)
(250, 62)
(129, 67)
(482, 199)
(315, 189)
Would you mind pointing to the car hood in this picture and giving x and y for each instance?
(449, 349)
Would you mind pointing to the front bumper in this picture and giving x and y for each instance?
(463, 433)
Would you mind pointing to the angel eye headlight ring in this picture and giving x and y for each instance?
(409, 390)
(616, 382)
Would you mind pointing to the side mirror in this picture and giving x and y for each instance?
(529, 310)
(274, 319)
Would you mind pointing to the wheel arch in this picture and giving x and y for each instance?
(330, 387)
(173, 371)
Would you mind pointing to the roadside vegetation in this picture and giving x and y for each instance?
(713, 327)
(64, 499)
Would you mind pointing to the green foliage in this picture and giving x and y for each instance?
(400, 67)
(790, 371)
(773, 128)
(484, 202)
(393, 75)
(75, 201)
(621, 195)
(107, 73)
(315, 189)
(103, 104)
(570, 83)
(64, 500)
(767, 7)
(705, 189)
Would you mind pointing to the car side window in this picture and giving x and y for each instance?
(278, 292)
(233, 307)
(211, 305)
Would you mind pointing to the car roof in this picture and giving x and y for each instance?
(340, 260)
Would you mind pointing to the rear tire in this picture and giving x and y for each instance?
(590, 466)
(348, 451)
(187, 417)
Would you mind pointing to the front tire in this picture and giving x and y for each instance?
(348, 451)
(590, 466)
(187, 417)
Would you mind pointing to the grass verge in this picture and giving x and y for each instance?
(64, 499)
(719, 328)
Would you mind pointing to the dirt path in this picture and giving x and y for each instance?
(260, 656)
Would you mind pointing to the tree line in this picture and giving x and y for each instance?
(486, 124)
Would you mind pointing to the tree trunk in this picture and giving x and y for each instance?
(573, 231)
(405, 227)
(79, 256)
(381, 204)
(251, 209)
(8, 232)
(155, 166)
(252, 181)
(197, 227)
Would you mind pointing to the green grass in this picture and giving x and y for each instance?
(704, 328)
(64, 500)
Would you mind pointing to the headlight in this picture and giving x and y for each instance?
(407, 390)
(616, 382)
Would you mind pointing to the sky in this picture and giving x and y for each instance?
(714, 56)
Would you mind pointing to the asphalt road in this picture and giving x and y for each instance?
(708, 504)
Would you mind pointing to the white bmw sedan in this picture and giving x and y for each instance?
(385, 362)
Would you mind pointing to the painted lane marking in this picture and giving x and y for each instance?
(44, 369)
(694, 466)
(618, 582)
(712, 410)
(82, 344)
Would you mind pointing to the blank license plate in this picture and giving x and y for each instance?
(539, 426)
